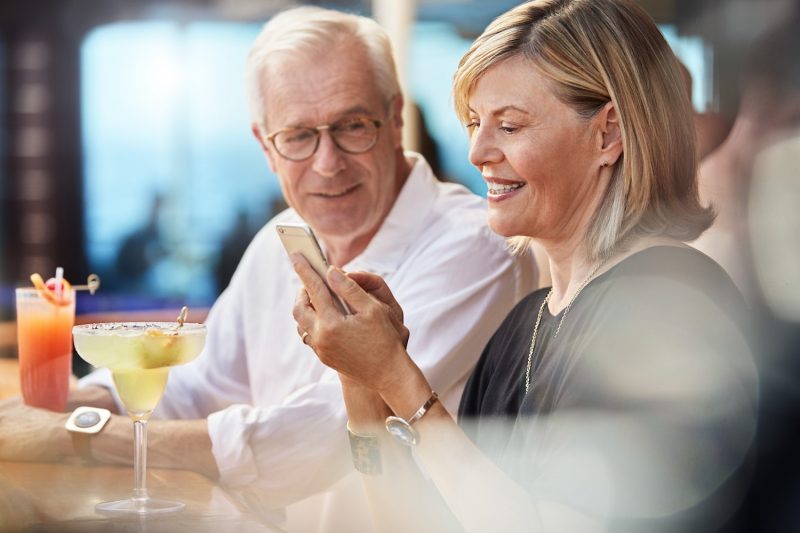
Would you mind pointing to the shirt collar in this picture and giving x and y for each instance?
(405, 220)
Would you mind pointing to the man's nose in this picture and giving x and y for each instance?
(328, 159)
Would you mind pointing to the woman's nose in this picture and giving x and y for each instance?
(483, 149)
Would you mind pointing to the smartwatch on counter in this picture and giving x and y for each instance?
(82, 424)
(403, 430)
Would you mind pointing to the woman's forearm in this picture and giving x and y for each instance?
(477, 492)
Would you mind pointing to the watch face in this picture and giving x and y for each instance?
(401, 430)
(86, 419)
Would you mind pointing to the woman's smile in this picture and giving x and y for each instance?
(501, 189)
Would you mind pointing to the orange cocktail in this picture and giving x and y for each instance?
(44, 338)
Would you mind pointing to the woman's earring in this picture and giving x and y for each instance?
(605, 163)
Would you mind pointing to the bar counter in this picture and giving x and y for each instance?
(45, 497)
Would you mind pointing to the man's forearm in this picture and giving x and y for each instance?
(92, 396)
(183, 444)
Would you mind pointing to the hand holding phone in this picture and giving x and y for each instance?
(300, 238)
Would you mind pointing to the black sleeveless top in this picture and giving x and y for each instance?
(642, 406)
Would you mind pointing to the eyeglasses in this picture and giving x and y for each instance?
(353, 135)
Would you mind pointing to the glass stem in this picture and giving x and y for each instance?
(140, 460)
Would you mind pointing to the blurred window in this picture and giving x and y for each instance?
(165, 116)
(698, 58)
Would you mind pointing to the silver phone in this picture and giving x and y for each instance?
(300, 238)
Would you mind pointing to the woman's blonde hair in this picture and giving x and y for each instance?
(599, 51)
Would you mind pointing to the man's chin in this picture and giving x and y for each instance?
(338, 228)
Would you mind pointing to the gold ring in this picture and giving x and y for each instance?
(303, 337)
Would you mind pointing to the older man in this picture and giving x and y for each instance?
(257, 409)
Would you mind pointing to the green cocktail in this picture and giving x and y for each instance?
(139, 355)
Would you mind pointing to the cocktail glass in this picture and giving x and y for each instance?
(139, 356)
(44, 339)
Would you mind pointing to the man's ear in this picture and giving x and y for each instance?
(261, 137)
(397, 119)
(609, 134)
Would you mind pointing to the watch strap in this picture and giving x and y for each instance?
(82, 424)
(82, 445)
(424, 408)
(403, 430)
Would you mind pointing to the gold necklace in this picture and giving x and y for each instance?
(528, 383)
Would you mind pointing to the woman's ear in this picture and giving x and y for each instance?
(609, 134)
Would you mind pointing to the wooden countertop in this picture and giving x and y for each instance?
(60, 497)
(9, 379)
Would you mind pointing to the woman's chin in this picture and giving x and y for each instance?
(503, 227)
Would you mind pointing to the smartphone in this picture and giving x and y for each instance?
(300, 238)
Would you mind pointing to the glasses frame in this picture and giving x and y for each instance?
(317, 131)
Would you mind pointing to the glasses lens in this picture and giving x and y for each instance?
(355, 135)
(296, 143)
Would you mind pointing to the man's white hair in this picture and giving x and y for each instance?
(311, 30)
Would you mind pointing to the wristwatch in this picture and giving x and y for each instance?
(82, 424)
(403, 430)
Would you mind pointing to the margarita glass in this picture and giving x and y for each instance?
(139, 355)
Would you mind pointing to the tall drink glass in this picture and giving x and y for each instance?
(139, 356)
(44, 339)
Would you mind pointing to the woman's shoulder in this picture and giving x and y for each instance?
(672, 288)
(668, 267)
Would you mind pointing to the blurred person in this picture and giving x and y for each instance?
(710, 128)
(257, 410)
(140, 251)
(763, 160)
(773, 500)
(428, 146)
(769, 111)
(622, 398)
(233, 247)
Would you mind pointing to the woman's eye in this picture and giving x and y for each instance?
(508, 129)
(472, 124)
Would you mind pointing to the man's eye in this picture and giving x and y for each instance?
(297, 136)
(351, 126)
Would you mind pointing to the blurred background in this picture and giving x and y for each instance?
(125, 147)
(125, 150)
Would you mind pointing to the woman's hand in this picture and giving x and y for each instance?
(376, 287)
(367, 346)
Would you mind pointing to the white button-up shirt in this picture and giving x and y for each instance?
(275, 414)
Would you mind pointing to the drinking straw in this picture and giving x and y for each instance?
(59, 278)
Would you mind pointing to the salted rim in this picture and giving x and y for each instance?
(108, 328)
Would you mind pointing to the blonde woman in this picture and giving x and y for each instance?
(621, 397)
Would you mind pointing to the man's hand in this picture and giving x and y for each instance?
(32, 434)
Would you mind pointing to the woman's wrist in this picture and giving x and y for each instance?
(407, 391)
(366, 410)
